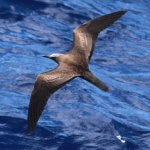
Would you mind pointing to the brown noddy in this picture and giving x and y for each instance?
(70, 65)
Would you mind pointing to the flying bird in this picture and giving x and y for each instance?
(70, 65)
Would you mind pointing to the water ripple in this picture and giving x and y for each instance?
(78, 116)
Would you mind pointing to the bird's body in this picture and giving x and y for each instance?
(71, 65)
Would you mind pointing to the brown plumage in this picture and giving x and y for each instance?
(70, 65)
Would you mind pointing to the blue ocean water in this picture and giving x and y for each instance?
(79, 116)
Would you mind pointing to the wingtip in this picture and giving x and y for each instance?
(118, 14)
(30, 126)
(30, 130)
(123, 12)
(105, 89)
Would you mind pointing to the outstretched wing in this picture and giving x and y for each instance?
(45, 85)
(86, 34)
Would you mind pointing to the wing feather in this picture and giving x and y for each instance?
(85, 35)
(45, 85)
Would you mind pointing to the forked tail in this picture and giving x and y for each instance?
(95, 81)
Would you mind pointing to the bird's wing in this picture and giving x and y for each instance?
(86, 34)
(45, 85)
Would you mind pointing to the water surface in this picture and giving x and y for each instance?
(79, 116)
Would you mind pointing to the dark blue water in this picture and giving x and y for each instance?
(79, 116)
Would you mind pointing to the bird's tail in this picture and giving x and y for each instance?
(95, 81)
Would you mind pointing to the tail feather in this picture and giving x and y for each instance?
(95, 81)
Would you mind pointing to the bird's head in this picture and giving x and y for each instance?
(55, 57)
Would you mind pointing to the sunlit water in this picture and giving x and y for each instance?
(79, 116)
